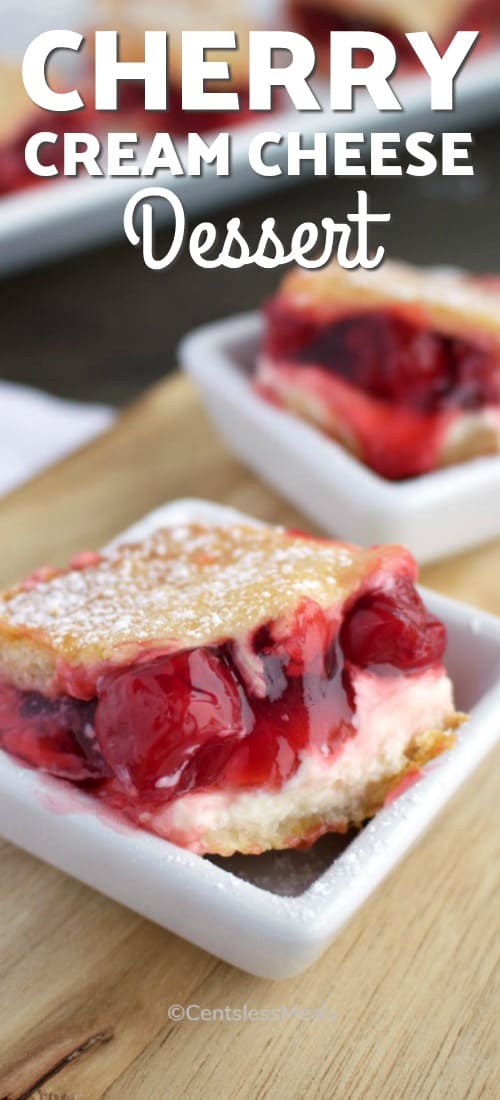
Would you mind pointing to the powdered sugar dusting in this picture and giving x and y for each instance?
(192, 584)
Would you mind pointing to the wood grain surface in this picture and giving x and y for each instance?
(411, 985)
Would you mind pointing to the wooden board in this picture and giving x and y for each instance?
(85, 985)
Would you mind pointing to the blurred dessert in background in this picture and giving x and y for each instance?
(314, 18)
(16, 125)
(399, 364)
(131, 20)
(393, 18)
(20, 119)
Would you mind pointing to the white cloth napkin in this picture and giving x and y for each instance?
(37, 429)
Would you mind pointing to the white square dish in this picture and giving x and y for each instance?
(272, 915)
(434, 515)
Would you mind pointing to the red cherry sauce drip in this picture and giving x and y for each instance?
(199, 721)
(365, 365)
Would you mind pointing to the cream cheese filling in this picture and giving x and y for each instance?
(391, 713)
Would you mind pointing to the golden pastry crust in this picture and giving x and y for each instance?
(131, 20)
(449, 300)
(184, 586)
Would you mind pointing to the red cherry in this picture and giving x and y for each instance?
(55, 736)
(302, 641)
(152, 721)
(393, 628)
(390, 356)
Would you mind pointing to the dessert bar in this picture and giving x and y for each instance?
(229, 688)
(400, 364)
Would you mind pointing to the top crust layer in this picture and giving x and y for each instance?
(449, 300)
(184, 586)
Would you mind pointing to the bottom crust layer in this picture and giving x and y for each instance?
(263, 831)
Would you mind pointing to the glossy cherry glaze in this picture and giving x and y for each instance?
(391, 356)
(224, 716)
(392, 628)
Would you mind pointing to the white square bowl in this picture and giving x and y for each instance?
(272, 915)
(434, 515)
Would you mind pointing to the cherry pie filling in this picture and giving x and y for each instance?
(390, 356)
(364, 366)
(223, 716)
